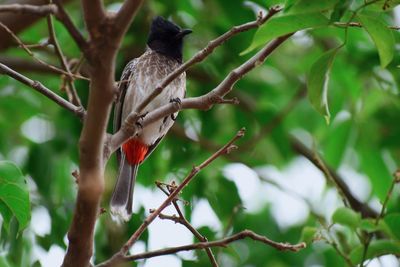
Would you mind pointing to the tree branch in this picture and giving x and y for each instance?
(118, 257)
(125, 15)
(219, 243)
(29, 52)
(129, 128)
(64, 18)
(367, 241)
(78, 111)
(70, 88)
(206, 51)
(182, 220)
(30, 9)
(344, 190)
(100, 54)
(24, 65)
(359, 25)
(18, 22)
(94, 14)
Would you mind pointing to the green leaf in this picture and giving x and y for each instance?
(376, 248)
(368, 225)
(317, 83)
(14, 194)
(339, 10)
(4, 262)
(393, 222)
(308, 234)
(382, 37)
(337, 141)
(347, 217)
(305, 6)
(285, 24)
(7, 215)
(378, 173)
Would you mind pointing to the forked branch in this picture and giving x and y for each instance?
(119, 257)
(219, 243)
(77, 110)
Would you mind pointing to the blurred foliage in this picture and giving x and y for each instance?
(353, 77)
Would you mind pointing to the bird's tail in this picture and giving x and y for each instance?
(121, 200)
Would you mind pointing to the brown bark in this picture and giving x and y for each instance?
(105, 39)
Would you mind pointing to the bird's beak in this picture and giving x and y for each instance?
(183, 33)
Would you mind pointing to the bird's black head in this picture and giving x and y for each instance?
(167, 38)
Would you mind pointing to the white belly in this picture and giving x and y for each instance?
(144, 80)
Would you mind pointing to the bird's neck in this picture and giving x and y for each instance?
(172, 51)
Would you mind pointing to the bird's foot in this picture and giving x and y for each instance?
(175, 100)
(138, 123)
(178, 101)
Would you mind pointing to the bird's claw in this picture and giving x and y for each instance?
(175, 100)
(138, 123)
(178, 101)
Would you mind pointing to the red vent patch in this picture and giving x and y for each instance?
(135, 151)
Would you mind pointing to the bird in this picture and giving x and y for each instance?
(139, 78)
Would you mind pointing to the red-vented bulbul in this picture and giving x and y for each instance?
(139, 78)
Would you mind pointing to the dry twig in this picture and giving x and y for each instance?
(29, 52)
(42, 10)
(118, 257)
(219, 243)
(182, 220)
(70, 88)
(78, 111)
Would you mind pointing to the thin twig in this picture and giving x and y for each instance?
(328, 239)
(396, 177)
(70, 89)
(42, 45)
(182, 220)
(196, 169)
(160, 184)
(219, 243)
(27, 50)
(42, 10)
(78, 111)
(359, 25)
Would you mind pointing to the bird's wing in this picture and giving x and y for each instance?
(123, 86)
(167, 121)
